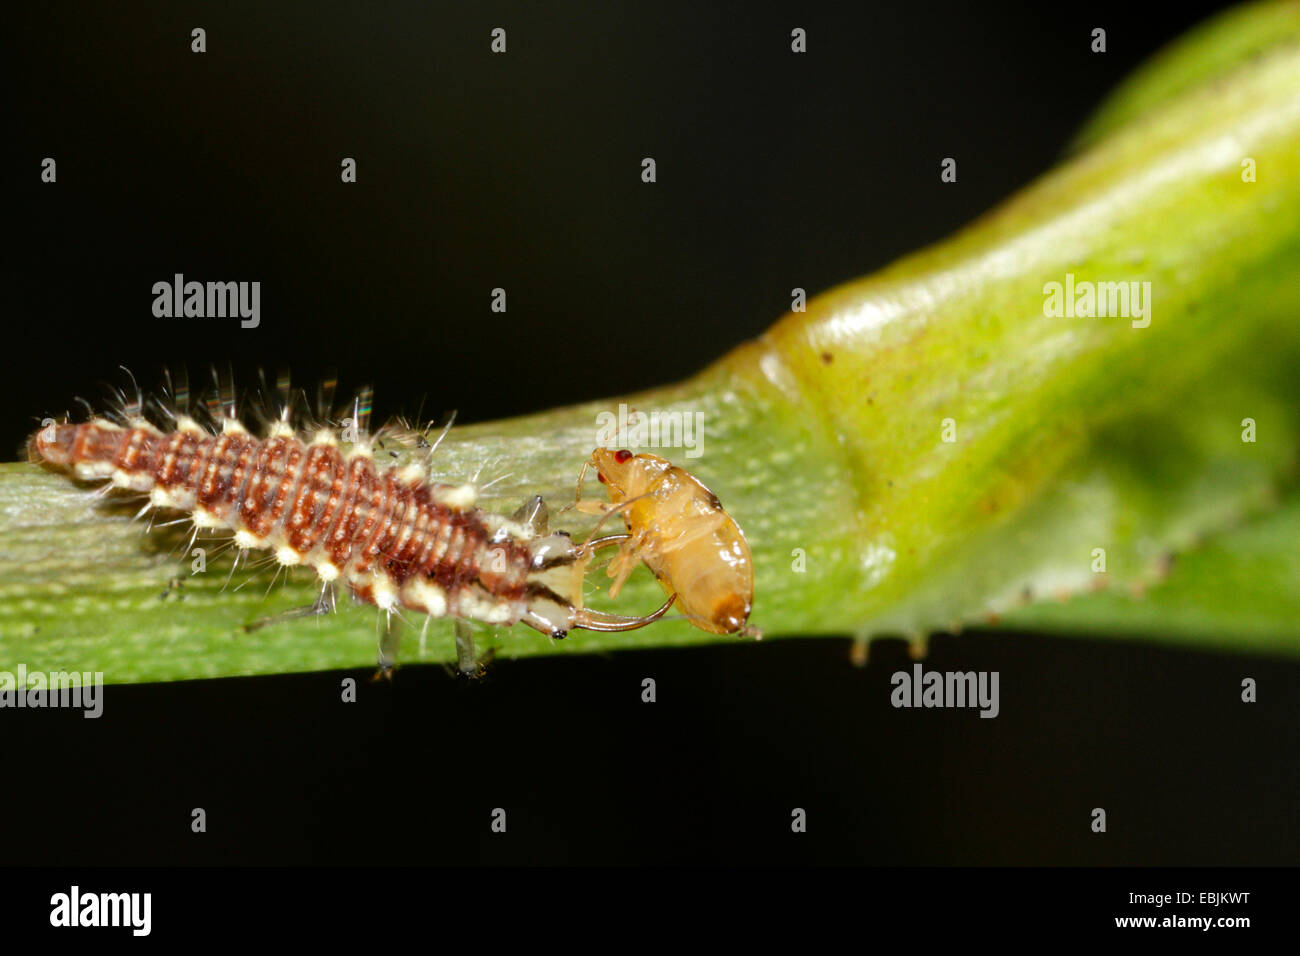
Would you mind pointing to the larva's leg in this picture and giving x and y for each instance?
(390, 639)
(466, 658)
(324, 604)
(468, 663)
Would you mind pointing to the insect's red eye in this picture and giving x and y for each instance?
(623, 456)
(601, 477)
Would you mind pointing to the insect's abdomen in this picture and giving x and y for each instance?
(393, 539)
(695, 547)
(719, 586)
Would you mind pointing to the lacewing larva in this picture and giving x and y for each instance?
(679, 528)
(317, 499)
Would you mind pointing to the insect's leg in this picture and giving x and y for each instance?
(624, 563)
(324, 604)
(466, 658)
(588, 547)
(591, 506)
(605, 510)
(390, 639)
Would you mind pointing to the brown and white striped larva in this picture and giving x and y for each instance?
(679, 528)
(313, 499)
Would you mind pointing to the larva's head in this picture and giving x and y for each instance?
(626, 475)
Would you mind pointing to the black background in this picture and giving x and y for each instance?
(523, 171)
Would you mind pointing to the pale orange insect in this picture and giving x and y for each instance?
(679, 528)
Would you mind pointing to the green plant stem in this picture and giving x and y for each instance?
(826, 437)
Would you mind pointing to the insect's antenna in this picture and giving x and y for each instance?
(582, 476)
